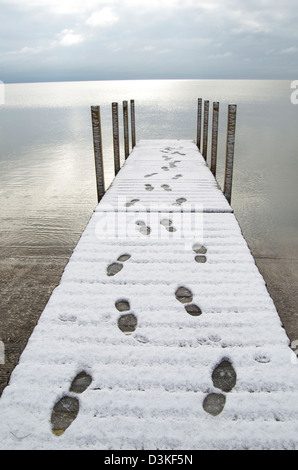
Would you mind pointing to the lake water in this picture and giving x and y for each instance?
(47, 178)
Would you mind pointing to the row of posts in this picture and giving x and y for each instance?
(97, 139)
(202, 140)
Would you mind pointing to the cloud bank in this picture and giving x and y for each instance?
(45, 40)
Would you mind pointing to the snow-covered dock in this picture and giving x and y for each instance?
(161, 334)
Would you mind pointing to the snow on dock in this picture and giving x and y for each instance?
(162, 172)
(161, 334)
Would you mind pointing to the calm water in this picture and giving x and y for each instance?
(47, 180)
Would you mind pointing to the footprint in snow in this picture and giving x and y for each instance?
(224, 378)
(176, 177)
(149, 187)
(142, 227)
(115, 268)
(127, 321)
(179, 201)
(67, 408)
(167, 224)
(166, 187)
(201, 251)
(132, 202)
(173, 164)
(185, 296)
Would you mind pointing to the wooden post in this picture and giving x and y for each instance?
(230, 151)
(199, 123)
(205, 128)
(125, 127)
(116, 146)
(214, 137)
(133, 123)
(98, 155)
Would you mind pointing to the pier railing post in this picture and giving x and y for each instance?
(214, 139)
(115, 121)
(231, 128)
(199, 123)
(98, 155)
(125, 128)
(133, 123)
(205, 128)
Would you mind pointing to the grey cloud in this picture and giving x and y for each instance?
(96, 39)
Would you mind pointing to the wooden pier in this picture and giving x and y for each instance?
(161, 334)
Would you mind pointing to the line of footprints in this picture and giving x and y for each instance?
(66, 410)
(168, 225)
(179, 201)
(117, 266)
(223, 377)
(165, 187)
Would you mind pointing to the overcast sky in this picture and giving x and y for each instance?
(54, 40)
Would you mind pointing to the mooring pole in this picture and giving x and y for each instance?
(214, 137)
(98, 156)
(125, 128)
(115, 121)
(205, 128)
(232, 111)
(133, 123)
(199, 123)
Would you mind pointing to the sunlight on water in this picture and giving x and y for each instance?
(77, 94)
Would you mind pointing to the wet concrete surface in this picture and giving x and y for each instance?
(281, 277)
(26, 283)
(28, 277)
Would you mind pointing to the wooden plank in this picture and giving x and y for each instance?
(125, 129)
(232, 112)
(214, 137)
(199, 123)
(98, 154)
(116, 146)
(205, 129)
(133, 123)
